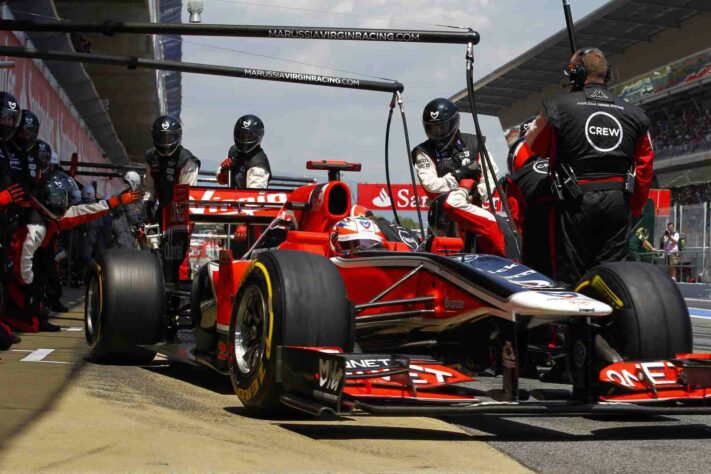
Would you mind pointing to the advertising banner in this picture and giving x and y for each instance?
(376, 197)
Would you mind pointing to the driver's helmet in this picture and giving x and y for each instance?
(53, 195)
(355, 233)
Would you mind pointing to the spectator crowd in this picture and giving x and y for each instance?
(682, 131)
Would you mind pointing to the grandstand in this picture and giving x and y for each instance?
(661, 57)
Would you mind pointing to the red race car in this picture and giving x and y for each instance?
(432, 331)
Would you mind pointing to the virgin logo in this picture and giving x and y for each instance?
(382, 199)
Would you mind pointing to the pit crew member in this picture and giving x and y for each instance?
(30, 249)
(11, 194)
(448, 162)
(246, 161)
(167, 163)
(601, 161)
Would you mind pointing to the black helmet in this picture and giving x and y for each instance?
(67, 181)
(52, 194)
(9, 115)
(441, 121)
(525, 125)
(26, 134)
(167, 132)
(43, 157)
(249, 131)
(439, 222)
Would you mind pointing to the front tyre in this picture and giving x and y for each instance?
(125, 304)
(650, 320)
(287, 298)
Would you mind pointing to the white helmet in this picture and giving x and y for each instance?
(355, 233)
(88, 193)
(133, 180)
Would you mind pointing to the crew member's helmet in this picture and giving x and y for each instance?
(167, 132)
(53, 195)
(69, 184)
(133, 180)
(25, 136)
(88, 194)
(248, 133)
(9, 115)
(441, 121)
(43, 158)
(355, 233)
(525, 125)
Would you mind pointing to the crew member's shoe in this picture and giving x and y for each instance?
(46, 326)
(58, 307)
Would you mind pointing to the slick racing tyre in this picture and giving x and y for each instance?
(650, 320)
(125, 305)
(287, 298)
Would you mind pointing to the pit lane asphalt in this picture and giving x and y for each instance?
(61, 414)
(79, 417)
(660, 444)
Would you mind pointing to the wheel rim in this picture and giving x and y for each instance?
(250, 330)
(92, 310)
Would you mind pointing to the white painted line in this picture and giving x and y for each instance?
(20, 350)
(37, 355)
(700, 313)
(72, 329)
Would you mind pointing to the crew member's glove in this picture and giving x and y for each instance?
(470, 171)
(13, 194)
(227, 164)
(125, 198)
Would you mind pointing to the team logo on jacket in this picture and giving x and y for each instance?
(434, 115)
(603, 132)
(598, 94)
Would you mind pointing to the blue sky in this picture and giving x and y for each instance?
(307, 122)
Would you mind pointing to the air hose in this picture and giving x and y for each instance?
(387, 158)
(488, 166)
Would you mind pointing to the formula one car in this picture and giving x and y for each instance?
(439, 330)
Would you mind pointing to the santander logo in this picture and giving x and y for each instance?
(382, 199)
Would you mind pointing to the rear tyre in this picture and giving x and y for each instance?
(650, 319)
(287, 298)
(125, 305)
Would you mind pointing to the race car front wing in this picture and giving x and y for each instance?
(327, 382)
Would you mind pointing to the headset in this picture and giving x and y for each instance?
(578, 72)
